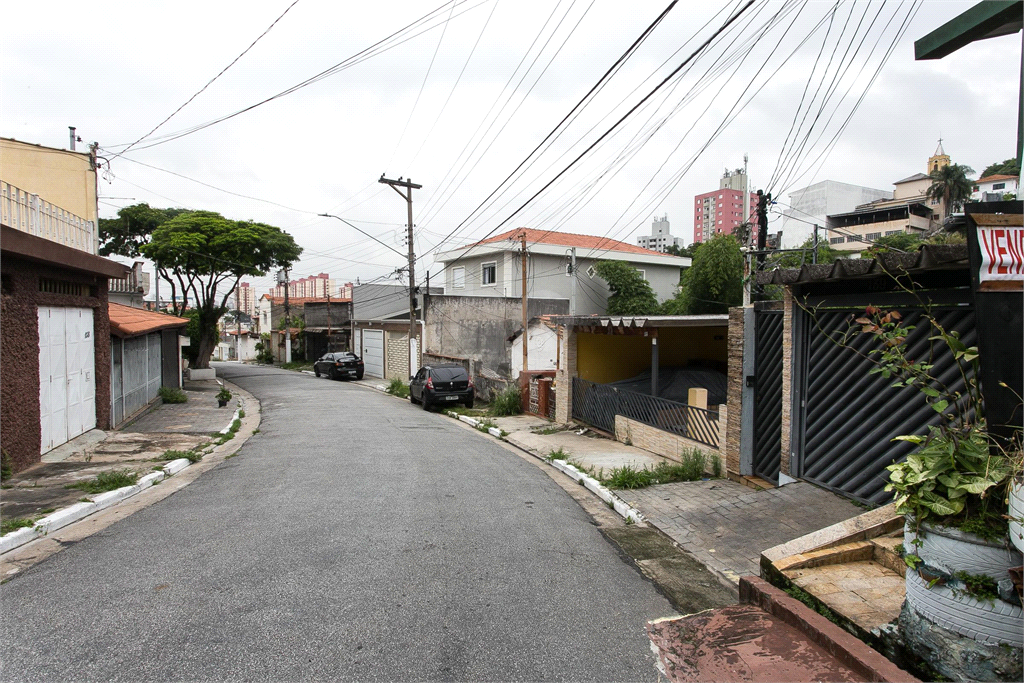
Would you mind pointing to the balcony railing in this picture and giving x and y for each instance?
(30, 213)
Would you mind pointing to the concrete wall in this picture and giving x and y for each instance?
(60, 177)
(478, 327)
(542, 347)
(20, 430)
(664, 443)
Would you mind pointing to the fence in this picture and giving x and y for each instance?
(29, 213)
(598, 404)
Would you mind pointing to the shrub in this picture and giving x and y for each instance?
(173, 395)
(508, 402)
(397, 387)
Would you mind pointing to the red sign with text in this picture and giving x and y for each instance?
(1002, 253)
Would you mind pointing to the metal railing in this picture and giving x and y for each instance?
(598, 404)
(30, 213)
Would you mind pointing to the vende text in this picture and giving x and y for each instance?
(1002, 253)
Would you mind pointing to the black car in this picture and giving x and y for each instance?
(439, 384)
(338, 365)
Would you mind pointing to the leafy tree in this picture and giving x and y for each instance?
(1008, 167)
(204, 255)
(713, 283)
(804, 257)
(631, 293)
(901, 241)
(951, 185)
(131, 229)
(686, 251)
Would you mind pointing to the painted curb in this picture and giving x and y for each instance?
(73, 513)
(620, 506)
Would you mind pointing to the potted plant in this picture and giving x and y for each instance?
(951, 490)
(223, 396)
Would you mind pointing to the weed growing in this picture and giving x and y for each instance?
(241, 413)
(9, 525)
(173, 395)
(508, 402)
(691, 468)
(557, 455)
(397, 387)
(106, 481)
(808, 599)
(298, 365)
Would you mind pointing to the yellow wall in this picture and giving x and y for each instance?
(606, 358)
(65, 179)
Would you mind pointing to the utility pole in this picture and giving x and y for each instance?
(762, 230)
(407, 196)
(750, 233)
(287, 322)
(814, 254)
(526, 335)
(238, 325)
(572, 273)
(328, 318)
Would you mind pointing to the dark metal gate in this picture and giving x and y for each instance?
(847, 417)
(767, 453)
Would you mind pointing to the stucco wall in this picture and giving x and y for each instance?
(477, 327)
(19, 348)
(58, 176)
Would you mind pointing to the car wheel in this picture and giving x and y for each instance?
(333, 375)
(469, 403)
(359, 375)
(425, 402)
(412, 399)
(316, 371)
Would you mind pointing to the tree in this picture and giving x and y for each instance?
(1008, 167)
(804, 257)
(131, 229)
(631, 293)
(714, 281)
(951, 185)
(204, 255)
(901, 241)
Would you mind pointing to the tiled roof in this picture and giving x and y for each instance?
(568, 239)
(997, 176)
(126, 321)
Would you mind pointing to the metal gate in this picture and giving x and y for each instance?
(136, 374)
(373, 353)
(67, 382)
(767, 442)
(847, 417)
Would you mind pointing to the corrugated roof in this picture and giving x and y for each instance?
(126, 321)
(929, 257)
(568, 239)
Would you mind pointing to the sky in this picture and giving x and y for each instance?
(583, 116)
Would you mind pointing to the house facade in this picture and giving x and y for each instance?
(995, 187)
(380, 329)
(54, 321)
(494, 268)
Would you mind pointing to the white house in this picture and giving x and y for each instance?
(493, 268)
(999, 184)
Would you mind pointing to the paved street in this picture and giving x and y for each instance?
(354, 538)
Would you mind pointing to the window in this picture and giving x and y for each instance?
(892, 232)
(872, 236)
(998, 186)
(489, 272)
(459, 278)
(836, 240)
(643, 273)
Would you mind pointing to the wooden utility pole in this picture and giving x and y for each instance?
(407, 196)
(526, 330)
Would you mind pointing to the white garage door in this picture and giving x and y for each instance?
(67, 382)
(373, 353)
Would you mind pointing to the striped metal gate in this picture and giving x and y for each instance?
(845, 416)
(767, 442)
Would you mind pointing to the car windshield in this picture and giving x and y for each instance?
(448, 374)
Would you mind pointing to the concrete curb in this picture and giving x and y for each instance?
(73, 513)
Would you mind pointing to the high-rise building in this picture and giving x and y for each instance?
(246, 299)
(810, 205)
(720, 212)
(660, 238)
(312, 287)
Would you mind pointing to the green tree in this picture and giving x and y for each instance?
(901, 241)
(631, 293)
(951, 185)
(804, 257)
(204, 255)
(714, 281)
(1008, 167)
(131, 229)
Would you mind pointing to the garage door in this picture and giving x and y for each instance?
(67, 382)
(373, 353)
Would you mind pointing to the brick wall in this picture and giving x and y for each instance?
(787, 379)
(397, 362)
(731, 450)
(566, 370)
(539, 397)
(659, 441)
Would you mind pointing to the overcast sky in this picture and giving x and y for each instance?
(468, 94)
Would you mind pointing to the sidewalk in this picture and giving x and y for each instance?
(41, 494)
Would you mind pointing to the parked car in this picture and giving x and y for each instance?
(338, 365)
(440, 384)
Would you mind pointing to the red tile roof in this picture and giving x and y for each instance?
(126, 321)
(568, 239)
(997, 176)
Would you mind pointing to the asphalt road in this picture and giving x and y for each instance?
(354, 538)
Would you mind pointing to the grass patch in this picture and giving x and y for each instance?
(191, 456)
(508, 402)
(397, 387)
(220, 439)
(106, 481)
(463, 410)
(241, 413)
(173, 395)
(298, 365)
(256, 431)
(547, 431)
(557, 455)
(9, 525)
(691, 468)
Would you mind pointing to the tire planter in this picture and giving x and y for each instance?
(1017, 512)
(950, 550)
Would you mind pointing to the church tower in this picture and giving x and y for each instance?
(938, 160)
